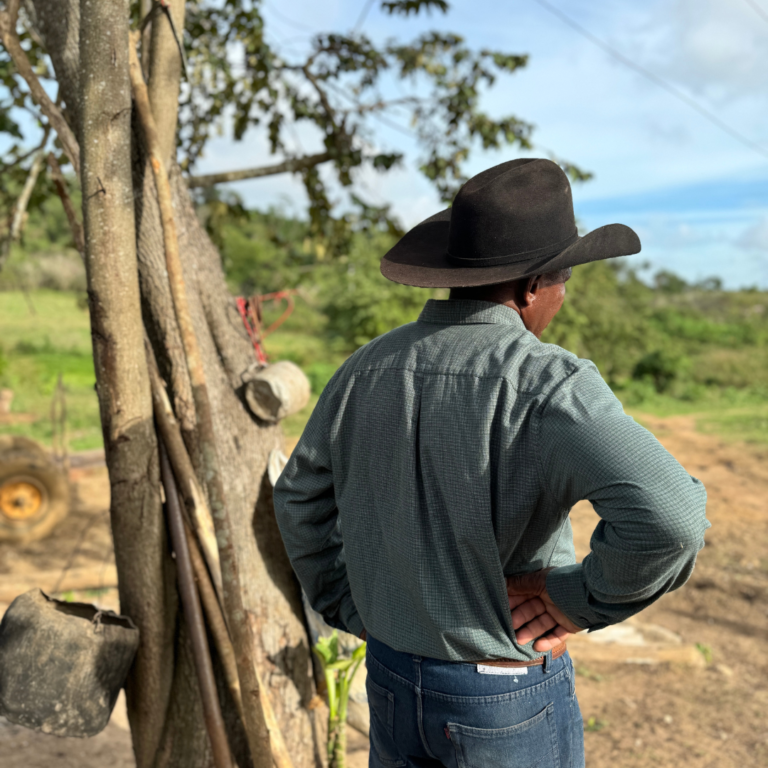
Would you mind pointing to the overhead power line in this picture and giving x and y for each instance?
(287, 20)
(671, 89)
(363, 15)
(757, 9)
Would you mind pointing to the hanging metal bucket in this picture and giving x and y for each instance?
(62, 665)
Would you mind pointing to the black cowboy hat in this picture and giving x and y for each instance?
(513, 220)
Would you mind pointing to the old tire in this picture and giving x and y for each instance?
(34, 491)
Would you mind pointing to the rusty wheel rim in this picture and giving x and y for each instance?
(21, 499)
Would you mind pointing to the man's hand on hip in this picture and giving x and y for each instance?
(534, 615)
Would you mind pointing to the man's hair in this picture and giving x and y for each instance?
(554, 278)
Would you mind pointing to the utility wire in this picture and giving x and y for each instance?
(363, 15)
(757, 9)
(672, 89)
(286, 20)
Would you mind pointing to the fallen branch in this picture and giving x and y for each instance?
(237, 618)
(287, 166)
(19, 57)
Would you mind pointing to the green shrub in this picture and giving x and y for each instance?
(359, 301)
(661, 367)
(319, 374)
(605, 318)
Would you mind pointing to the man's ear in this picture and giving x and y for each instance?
(530, 291)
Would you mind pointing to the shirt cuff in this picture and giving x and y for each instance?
(569, 593)
(349, 615)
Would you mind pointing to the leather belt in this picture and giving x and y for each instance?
(557, 652)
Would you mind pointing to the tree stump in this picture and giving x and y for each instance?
(277, 391)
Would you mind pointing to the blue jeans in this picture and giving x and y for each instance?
(430, 713)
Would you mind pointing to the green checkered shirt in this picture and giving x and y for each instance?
(447, 454)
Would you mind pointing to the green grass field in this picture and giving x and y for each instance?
(54, 339)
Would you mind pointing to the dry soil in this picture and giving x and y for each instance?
(706, 705)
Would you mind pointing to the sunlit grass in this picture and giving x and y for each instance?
(749, 424)
(43, 336)
(55, 338)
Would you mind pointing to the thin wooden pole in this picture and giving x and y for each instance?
(237, 618)
(170, 431)
(190, 600)
(218, 627)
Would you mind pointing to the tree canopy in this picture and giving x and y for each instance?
(346, 87)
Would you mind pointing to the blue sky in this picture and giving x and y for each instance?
(697, 197)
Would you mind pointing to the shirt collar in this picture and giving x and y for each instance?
(468, 312)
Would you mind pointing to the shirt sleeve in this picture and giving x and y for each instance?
(305, 507)
(653, 513)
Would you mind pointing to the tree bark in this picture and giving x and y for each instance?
(146, 578)
(58, 23)
(163, 697)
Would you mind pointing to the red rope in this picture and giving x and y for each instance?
(250, 312)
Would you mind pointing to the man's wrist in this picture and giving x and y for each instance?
(566, 589)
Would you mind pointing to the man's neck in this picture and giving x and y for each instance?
(496, 294)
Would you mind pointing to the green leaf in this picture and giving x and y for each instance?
(359, 652)
(408, 7)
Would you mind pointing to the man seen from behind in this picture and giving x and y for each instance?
(427, 503)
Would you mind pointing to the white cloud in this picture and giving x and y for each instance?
(755, 237)
(716, 48)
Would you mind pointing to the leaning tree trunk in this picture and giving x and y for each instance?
(146, 586)
(163, 697)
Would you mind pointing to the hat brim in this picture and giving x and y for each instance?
(420, 257)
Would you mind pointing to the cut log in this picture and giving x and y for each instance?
(277, 391)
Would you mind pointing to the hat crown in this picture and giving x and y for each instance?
(512, 212)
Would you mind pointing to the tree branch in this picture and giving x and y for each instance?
(12, 44)
(26, 193)
(287, 166)
(66, 201)
(20, 209)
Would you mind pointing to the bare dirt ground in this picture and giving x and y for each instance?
(675, 714)
(686, 684)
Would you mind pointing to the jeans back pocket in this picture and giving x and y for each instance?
(531, 744)
(382, 705)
